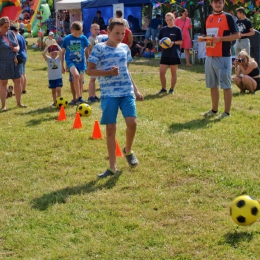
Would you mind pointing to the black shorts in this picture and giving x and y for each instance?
(170, 61)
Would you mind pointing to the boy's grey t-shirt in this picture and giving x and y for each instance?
(54, 68)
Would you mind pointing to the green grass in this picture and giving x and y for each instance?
(174, 205)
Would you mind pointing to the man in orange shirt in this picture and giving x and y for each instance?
(220, 31)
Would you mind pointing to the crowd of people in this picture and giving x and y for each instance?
(107, 57)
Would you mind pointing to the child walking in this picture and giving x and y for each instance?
(54, 70)
(75, 48)
(108, 61)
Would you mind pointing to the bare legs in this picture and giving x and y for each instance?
(215, 99)
(245, 83)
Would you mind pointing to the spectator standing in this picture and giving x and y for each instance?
(246, 29)
(50, 40)
(50, 23)
(66, 25)
(23, 55)
(99, 20)
(21, 26)
(119, 14)
(29, 28)
(9, 68)
(175, 13)
(153, 29)
(171, 56)
(221, 30)
(184, 23)
(134, 24)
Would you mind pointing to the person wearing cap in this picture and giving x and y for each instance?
(99, 20)
(50, 40)
(23, 55)
(9, 69)
(54, 70)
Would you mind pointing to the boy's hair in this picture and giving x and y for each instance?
(115, 21)
(94, 24)
(241, 10)
(119, 13)
(77, 26)
(170, 14)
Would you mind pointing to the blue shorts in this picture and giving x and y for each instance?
(110, 107)
(55, 83)
(22, 67)
(81, 68)
(71, 79)
(151, 31)
(218, 71)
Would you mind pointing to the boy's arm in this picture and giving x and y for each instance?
(44, 53)
(138, 95)
(92, 71)
(62, 60)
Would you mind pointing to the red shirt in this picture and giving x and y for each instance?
(127, 32)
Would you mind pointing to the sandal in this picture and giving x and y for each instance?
(107, 173)
(130, 158)
(22, 106)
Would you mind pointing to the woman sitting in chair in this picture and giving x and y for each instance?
(247, 73)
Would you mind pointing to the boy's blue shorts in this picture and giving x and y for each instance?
(55, 83)
(110, 105)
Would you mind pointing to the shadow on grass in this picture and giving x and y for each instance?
(154, 96)
(191, 125)
(60, 196)
(35, 122)
(234, 238)
(43, 110)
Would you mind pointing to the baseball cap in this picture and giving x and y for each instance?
(51, 33)
(13, 28)
(53, 48)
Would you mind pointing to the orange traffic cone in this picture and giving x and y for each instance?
(96, 134)
(118, 150)
(77, 121)
(62, 115)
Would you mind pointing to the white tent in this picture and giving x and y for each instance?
(68, 4)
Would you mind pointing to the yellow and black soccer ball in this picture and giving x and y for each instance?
(84, 109)
(60, 101)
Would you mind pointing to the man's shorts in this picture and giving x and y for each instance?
(151, 31)
(110, 107)
(218, 72)
(55, 83)
(22, 67)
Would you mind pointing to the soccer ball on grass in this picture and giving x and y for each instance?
(84, 109)
(244, 210)
(60, 101)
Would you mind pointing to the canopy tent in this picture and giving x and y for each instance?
(68, 5)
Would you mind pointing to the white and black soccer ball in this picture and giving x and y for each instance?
(244, 210)
(84, 109)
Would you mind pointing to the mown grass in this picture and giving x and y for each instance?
(175, 205)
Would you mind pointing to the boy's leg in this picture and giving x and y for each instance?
(58, 92)
(227, 99)
(72, 90)
(53, 92)
(130, 133)
(91, 87)
(111, 145)
(76, 77)
(81, 79)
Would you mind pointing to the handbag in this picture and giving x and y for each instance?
(19, 59)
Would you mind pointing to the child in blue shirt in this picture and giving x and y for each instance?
(108, 61)
(75, 49)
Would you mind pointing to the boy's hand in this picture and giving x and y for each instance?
(114, 71)
(63, 70)
(139, 96)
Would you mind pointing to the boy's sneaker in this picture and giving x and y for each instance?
(92, 99)
(53, 105)
(107, 173)
(130, 158)
(209, 114)
(80, 100)
(223, 115)
(97, 98)
(162, 91)
(72, 102)
(171, 91)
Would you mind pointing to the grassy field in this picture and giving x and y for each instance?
(174, 205)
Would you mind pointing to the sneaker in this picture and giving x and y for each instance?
(130, 158)
(80, 100)
(242, 92)
(53, 105)
(223, 115)
(92, 99)
(209, 114)
(162, 91)
(171, 91)
(97, 98)
(72, 102)
(24, 92)
(107, 173)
